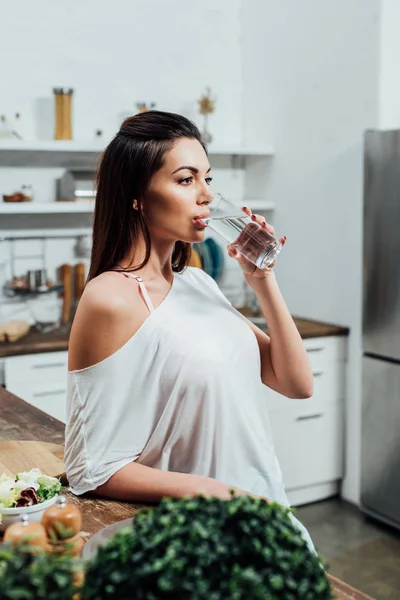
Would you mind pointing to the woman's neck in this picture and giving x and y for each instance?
(159, 263)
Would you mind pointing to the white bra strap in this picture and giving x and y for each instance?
(142, 287)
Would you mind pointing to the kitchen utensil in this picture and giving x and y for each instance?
(41, 280)
(79, 280)
(248, 237)
(31, 279)
(66, 277)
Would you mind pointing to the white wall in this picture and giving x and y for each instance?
(311, 84)
(389, 83)
(114, 55)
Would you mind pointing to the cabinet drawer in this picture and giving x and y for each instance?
(50, 397)
(326, 349)
(309, 445)
(329, 386)
(32, 368)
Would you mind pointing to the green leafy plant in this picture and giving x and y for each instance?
(28, 575)
(205, 548)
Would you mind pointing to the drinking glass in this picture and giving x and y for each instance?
(248, 237)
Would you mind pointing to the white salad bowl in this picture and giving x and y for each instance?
(34, 512)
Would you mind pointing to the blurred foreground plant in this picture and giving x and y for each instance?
(205, 548)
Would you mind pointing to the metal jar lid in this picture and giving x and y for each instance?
(61, 90)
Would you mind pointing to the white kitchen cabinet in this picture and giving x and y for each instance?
(322, 350)
(50, 397)
(309, 444)
(40, 379)
(329, 386)
(32, 368)
(309, 434)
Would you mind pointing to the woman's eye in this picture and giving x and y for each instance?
(186, 181)
(208, 180)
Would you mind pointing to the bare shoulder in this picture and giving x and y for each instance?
(106, 295)
(109, 312)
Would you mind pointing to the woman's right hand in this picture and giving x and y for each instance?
(210, 487)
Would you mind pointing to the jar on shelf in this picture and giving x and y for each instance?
(5, 129)
(27, 191)
(63, 113)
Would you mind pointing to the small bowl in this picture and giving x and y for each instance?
(34, 512)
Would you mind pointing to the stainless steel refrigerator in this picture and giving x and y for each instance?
(380, 454)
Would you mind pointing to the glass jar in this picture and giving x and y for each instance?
(63, 113)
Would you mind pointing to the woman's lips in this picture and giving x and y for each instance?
(199, 223)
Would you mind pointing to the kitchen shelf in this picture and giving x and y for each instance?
(70, 153)
(25, 293)
(215, 150)
(51, 208)
(42, 208)
(53, 153)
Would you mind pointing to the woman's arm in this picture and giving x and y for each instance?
(138, 483)
(285, 366)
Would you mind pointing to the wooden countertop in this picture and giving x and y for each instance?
(54, 341)
(36, 342)
(312, 329)
(20, 420)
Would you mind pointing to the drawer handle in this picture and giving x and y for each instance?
(47, 365)
(318, 373)
(52, 393)
(309, 417)
(314, 349)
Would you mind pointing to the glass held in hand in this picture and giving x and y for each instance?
(238, 229)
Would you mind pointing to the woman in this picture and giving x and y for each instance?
(166, 393)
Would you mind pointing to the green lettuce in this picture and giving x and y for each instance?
(8, 495)
(48, 487)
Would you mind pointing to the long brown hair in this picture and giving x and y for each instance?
(129, 162)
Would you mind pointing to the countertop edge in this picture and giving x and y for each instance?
(37, 343)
